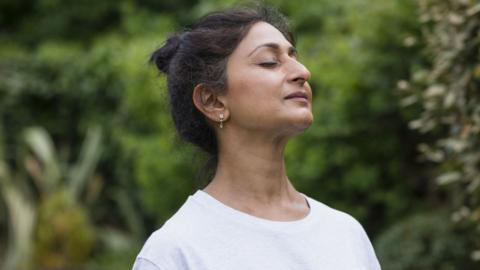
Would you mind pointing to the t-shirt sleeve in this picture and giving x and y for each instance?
(161, 251)
(144, 264)
(370, 257)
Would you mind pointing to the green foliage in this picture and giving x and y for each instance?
(446, 89)
(120, 253)
(32, 22)
(424, 241)
(64, 236)
(21, 218)
(55, 213)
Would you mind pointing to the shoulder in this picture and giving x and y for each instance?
(340, 222)
(162, 250)
(334, 217)
(349, 227)
(164, 247)
(145, 264)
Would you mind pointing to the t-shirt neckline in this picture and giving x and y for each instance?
(212, 203)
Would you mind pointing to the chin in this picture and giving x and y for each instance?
(300, 125)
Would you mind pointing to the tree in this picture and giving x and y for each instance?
(447, 91)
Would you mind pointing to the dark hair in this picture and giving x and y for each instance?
(199, 56)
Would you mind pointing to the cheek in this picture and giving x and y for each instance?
(255, 87)
(254, 99)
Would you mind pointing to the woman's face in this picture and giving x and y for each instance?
(267, 88)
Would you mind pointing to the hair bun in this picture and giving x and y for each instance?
(162, 56)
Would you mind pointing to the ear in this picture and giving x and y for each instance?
(210, 103)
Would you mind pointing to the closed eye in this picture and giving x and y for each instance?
(268, 64)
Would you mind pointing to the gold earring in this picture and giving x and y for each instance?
(221, 120)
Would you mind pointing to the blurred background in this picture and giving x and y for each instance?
(90, 164)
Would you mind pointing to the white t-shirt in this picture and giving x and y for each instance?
(206, 234)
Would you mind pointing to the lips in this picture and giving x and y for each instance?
(297, 95)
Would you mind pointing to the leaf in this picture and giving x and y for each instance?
(88, 160)
(448, 178)
(40, 142)
(21, 223)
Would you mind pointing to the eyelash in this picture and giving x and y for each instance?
(274, 63)
(269, 64)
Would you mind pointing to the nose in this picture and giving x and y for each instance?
(298, 74)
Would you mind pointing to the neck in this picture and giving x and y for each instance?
(252, 169)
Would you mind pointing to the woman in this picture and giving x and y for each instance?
(238, 91)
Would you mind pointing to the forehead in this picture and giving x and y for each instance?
(261, 33)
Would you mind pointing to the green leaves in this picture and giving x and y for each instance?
(424, 241)
(48, 177)
(50, 173)
(447, 90)
(83, 169)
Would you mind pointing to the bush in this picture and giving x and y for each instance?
(424, 241)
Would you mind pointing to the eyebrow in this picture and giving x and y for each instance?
(275, 47)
